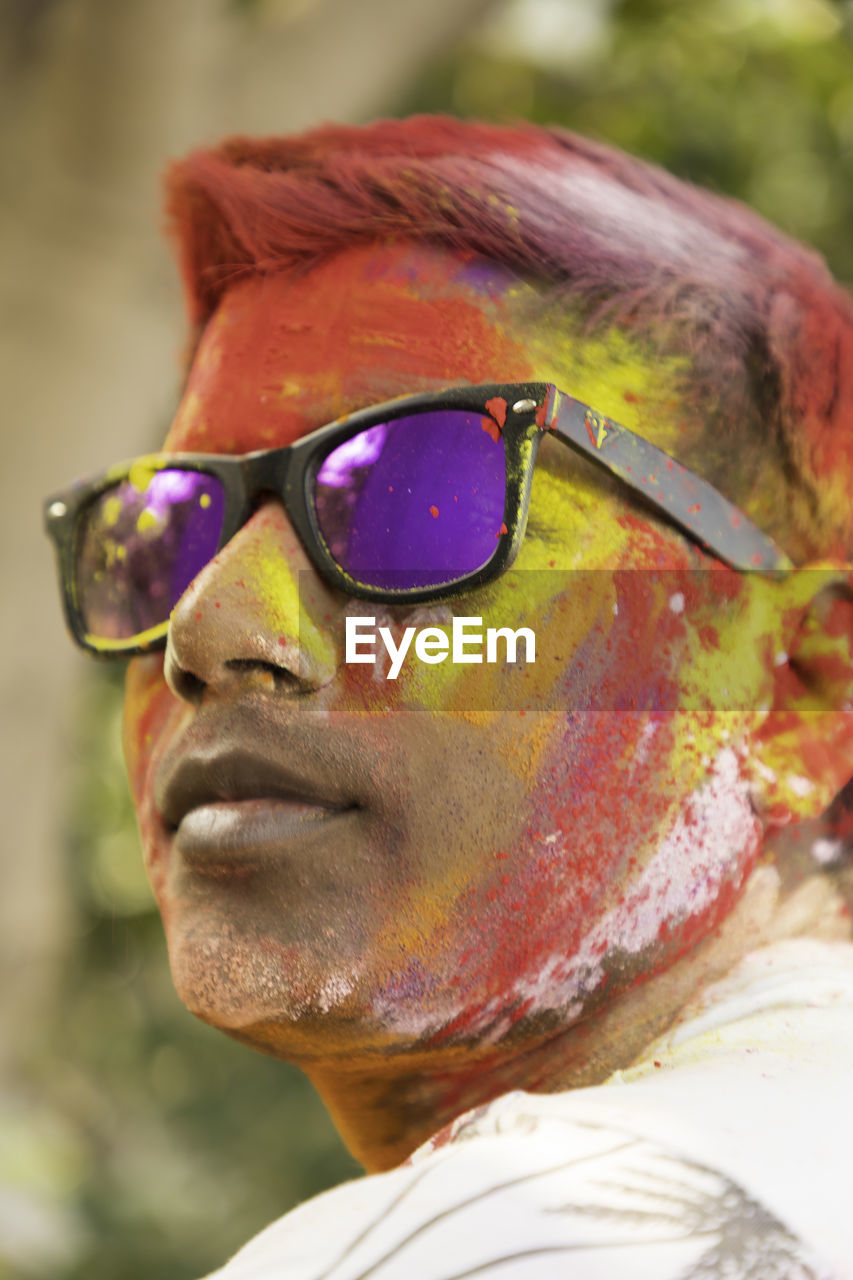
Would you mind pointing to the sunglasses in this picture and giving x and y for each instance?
(419, 499)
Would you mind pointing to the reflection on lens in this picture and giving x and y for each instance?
(415, 502)
(141, 544)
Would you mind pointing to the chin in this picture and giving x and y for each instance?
(236, 982)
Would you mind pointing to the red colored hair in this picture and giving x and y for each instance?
(626, 242)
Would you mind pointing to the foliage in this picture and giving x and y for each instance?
(753, 98)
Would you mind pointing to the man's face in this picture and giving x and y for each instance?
(465, 855)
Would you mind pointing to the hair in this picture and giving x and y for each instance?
(768, 332)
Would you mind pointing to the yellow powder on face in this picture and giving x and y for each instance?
(616, 374)
(615, 377)
(574, 517)
(278, 601)
(524, 750)
(289, 389)
(421, 919)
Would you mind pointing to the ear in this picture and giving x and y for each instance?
(802, 755)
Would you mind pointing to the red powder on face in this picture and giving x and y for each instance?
(260, 381)
(727, 584)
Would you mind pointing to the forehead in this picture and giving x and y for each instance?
(281, 356)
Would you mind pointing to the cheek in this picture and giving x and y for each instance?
(628, 855)
(150, 711)
(634, 828)
(143, 698)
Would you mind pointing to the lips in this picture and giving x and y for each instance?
(239, 784)
(233, 775)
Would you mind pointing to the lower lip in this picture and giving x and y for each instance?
(250, 831)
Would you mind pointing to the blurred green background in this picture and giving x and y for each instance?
(133, 1140)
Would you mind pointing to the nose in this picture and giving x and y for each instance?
(257, 613)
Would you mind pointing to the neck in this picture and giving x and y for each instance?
(385, 1109)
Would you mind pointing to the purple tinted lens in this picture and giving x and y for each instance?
(416, 502)
(141, 544)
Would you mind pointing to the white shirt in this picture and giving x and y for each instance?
(726, 1152)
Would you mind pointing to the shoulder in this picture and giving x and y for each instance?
(727, 1151)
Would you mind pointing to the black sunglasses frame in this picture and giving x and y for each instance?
(522, 412)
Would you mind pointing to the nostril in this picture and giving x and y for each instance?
(184, 685)
(187, 686)
(183, 682)
(282, 677)
(250, 664)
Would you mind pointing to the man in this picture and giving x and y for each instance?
(432, 872)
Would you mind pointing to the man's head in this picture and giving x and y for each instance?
(612, 243)
(468, 860)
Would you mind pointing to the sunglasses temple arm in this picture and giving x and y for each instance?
(685, 498)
